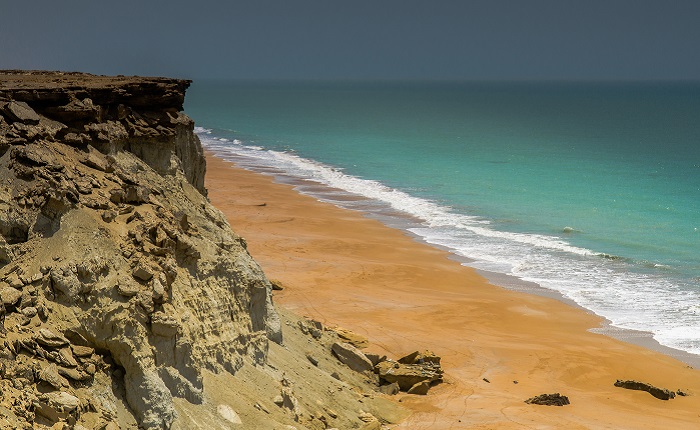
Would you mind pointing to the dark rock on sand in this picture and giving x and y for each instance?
(555, 399)
(659, 393)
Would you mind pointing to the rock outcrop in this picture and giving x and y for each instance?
(414, 373)
(116, 274)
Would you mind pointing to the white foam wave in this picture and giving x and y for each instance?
(202, 130)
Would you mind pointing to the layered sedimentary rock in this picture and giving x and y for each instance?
(116, 274)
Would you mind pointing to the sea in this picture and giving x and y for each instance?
(588, 189)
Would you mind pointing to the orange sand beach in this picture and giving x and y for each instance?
(498, 347)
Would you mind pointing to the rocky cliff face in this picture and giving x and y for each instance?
(118, 279)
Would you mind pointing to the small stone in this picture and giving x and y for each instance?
(227, 413)
(143, 272)
(14, 280)
(10, 296)
(313, 360)
(126, 210)
(29, 312)
(50, 339)
(117, 196)
(278, 400)
(127, 289)
(82, 351)
(50, 375)
(91, 369)
(63, 401)
(159, 295)
(145, 300)
(136, 194)
(109, 215)
(261, 407)
(42, 311)
(67, 357)
(73, 374)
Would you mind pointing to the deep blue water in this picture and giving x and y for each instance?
(589, 189)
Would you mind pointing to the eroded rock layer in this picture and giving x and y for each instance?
(118, 279)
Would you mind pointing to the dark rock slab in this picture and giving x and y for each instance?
(659, 393)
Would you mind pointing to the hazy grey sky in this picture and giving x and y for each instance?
(386, 39)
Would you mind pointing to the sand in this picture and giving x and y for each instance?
(498, 347)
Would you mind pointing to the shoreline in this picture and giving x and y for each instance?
(509, 282)
(401, 221)
(332, 272)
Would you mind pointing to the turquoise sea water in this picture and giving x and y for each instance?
(592, 190)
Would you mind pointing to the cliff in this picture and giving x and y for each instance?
(112, 114)
(127, 300)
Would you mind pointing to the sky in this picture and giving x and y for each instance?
(358, 39)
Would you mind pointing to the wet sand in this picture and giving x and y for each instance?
(345, 269)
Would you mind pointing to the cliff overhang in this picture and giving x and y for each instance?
(141, 115)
